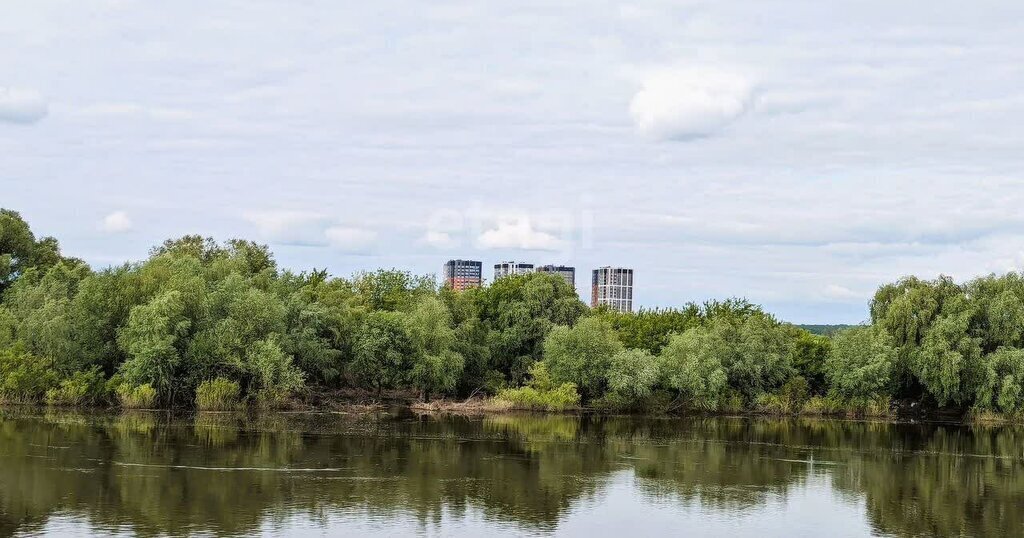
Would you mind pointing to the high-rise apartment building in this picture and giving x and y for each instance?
(511, 268)
(612, 286)
(564, 271)
(463, 274)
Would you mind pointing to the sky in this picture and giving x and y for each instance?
(795, 153)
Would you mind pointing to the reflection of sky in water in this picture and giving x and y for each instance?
(807, 510)
(618, 510)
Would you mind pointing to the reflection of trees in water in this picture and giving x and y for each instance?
(948, 481)
(230, 473)
(725, 464)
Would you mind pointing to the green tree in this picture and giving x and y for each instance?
(651, 329)
(20, 250)
(153, 339)
(760, 362)
(436, 366)
(24, 378)
(39, 302)
(861, 363)
(582, 354)
(8, 328)
(1004, 387)
(999, 304)
(810, 353)
(949, 361)
(517, 312)
(96, 313)
(391, 289)
(382, 351)
(693, 365)
(274, 375)
(632, 375)
(906, 310)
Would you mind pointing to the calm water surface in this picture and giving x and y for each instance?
(399, 474)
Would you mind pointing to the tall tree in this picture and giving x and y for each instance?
(382, 351)
(20, 250)
(436, 366)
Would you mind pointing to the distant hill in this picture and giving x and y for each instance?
(825, 330)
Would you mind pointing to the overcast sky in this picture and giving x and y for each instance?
(795, 153)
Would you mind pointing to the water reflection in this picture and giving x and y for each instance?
(151, 474)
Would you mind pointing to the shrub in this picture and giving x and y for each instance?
(819, 405)
(24, 378)
(879, 406)
(275, 375)
(558, 399)
(540, 394)
(772, 404)
(732, 403)
(136, 396)
(790, 398)
(82, 388)
(795, 393)
(217, 394)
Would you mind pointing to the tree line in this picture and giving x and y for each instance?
(217, 325)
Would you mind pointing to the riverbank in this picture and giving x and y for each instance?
(356, 401)
(893, 411)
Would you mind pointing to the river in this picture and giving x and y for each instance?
(397, 473)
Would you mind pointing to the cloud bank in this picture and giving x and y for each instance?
(309, 228)
(815, 165)
(24, 106)
(350, 239)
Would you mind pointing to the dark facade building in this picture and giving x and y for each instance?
(564, 271)
(463, 274)
(613, 287)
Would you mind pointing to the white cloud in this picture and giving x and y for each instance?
(350, 239)
(303, 228)
(518, 233)
(439, 239)
(835, 291)
(116, 222)
(679, 104)
(24, 106)
(290, 227)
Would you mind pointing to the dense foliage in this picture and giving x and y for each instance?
(207, 324)
(215, 325)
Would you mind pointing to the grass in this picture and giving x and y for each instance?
(83, 388)
(560, 398)
(217, 394)
(136, 397)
